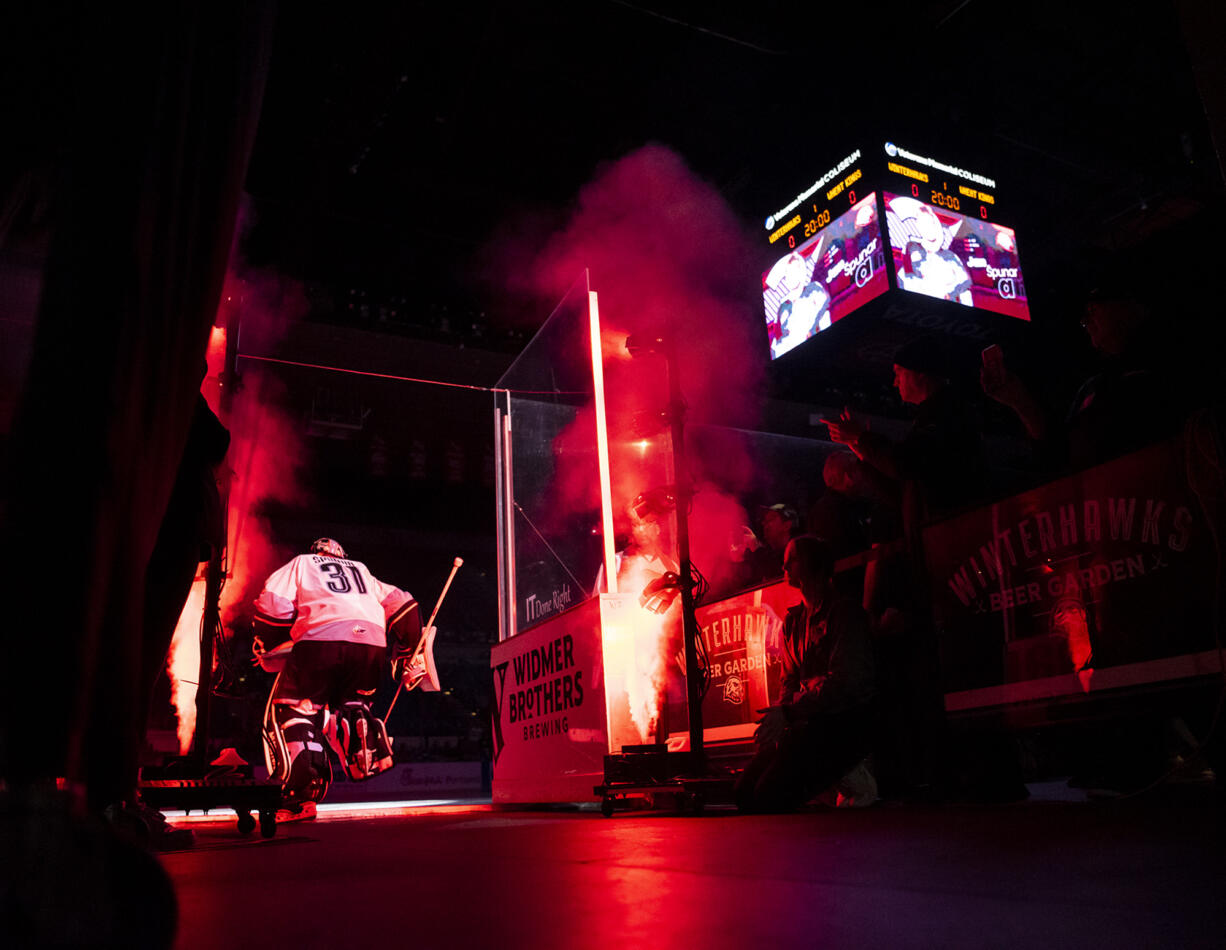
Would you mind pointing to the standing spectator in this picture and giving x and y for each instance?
(939, 464)
(1135, 398)
(842, 515)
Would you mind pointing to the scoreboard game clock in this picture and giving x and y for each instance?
(942, 230)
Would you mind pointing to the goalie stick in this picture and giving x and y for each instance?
(425, 640)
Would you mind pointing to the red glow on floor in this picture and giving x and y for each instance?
(348, 810)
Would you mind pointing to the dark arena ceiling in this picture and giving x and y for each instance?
(397, 138)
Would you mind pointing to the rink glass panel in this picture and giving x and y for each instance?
(735, 472)
(550, 538)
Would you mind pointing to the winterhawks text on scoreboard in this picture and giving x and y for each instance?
(847, 162)
(944, 189)
(949, 186)
(820, 207)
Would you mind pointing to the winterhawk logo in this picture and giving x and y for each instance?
(500, 691)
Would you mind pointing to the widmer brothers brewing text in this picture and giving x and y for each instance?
(544, 688)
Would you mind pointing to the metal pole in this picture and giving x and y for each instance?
(689, 621)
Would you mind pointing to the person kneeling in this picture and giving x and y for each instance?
(816, 738)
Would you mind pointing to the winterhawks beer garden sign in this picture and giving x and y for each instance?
(1098, 580)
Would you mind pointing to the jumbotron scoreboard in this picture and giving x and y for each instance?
(942, 239)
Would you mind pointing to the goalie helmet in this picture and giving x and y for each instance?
(327, 546)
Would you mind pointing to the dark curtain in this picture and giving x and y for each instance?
(149, 119)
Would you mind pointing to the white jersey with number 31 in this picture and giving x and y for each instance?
(332, 598)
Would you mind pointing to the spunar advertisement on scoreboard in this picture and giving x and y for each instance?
(1109, 569)
(549, 715)
(840, 268)
(940, 252)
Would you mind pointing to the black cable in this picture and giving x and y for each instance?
(548, 546)
(703, 661)
(702, 29)
(701, 586)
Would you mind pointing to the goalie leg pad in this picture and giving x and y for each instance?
(360, 740)
(294, 750)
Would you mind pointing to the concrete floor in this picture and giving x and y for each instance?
(1149, 872)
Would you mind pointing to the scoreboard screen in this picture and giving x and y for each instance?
(829, 256)
(943, 239)
(951, 256)
(839, 268)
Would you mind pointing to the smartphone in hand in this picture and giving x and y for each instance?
(993, 364)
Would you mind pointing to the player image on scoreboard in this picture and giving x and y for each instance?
(814, 286)
(944, 254)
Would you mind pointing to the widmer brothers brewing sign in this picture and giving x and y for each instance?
(1108, 567)
(549, 709)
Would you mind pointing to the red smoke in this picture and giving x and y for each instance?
(717, 522)
(267, 448)
(265, 453)
(665, 255)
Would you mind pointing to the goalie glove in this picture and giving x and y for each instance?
(417, 668)
(413, 672)
(270, 660)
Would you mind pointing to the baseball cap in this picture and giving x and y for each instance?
(788, 514)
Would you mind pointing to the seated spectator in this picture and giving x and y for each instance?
(816, 737)
(763, 560)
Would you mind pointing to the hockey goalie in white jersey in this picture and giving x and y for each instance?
(323, 621)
